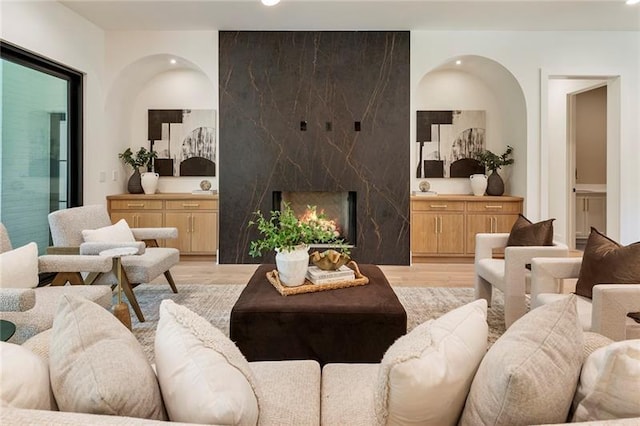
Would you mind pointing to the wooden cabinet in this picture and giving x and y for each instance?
(591, 210)
(195, 217)
(197, 222)
(436, 227)
(445, 226)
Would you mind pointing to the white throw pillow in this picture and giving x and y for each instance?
(24, 379)
(97, 366)
(425, 376)
(609, 385)
(116, 233)
(19, 267)
(530, 373)
(203, 376)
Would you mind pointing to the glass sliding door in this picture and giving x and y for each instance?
(40, 169)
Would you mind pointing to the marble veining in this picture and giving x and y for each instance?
(269, 83)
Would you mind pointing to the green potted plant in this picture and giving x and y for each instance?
(290, 237)
(142, 158)
(493, 162)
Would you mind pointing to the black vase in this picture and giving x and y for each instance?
(134, 186)
(495, 184)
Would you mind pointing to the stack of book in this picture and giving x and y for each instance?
(320, 276)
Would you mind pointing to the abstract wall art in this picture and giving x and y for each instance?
(185, 140)
(447, 142)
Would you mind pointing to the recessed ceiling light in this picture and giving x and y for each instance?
(173, 61)
(458, 62)
(633, 1)
(270, 2)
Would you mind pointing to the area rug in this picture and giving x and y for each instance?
(214, 302)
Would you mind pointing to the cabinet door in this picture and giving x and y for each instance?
(148, 220)
(451, 235)
(582, 229)
(130, 217)
(596, 214)
(182, 221)
(424, 233)
(477, 224)
(204, 235)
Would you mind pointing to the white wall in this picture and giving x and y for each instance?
(51, 30)
(140, 77)
(531, 57)
(478, 84)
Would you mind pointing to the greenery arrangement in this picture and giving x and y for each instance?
(283, 230)
(493, 161)
(142, 158)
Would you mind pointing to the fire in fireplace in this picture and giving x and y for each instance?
(338, 207)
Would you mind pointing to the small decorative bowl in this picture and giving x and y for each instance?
(329, 260)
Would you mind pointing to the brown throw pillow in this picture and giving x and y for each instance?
(607, 262)
(526, 233)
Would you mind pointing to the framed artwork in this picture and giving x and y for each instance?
(446, 143)
(185, 141)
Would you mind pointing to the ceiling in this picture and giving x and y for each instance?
(182, 15)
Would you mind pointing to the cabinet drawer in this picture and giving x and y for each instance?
(493, 207)
(192, 205)
(136, 204)
(438, 206)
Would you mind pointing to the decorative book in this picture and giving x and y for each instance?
(320, 276)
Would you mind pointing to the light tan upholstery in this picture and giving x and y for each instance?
(510, 274)
(290, 392)
(348, 394)
(605, 314)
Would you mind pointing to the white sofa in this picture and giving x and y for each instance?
(298, 393)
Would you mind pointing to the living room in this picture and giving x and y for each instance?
(520, 62)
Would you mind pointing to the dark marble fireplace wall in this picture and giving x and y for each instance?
(272, 81)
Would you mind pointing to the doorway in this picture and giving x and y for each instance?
(587, 139)
(558, 155)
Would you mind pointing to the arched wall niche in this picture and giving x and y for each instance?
(153, 82)
(478, 83)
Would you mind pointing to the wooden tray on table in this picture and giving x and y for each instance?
(309, 287)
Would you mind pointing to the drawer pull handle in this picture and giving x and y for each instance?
(190, 205)
(492, 207)
(135, 204)
(438, 206)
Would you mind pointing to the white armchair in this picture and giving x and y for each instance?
(509, 275)
(32, 310)
(606, 313)
(66, 231)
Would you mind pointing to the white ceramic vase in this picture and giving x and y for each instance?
(292, 265)
(149, 182)
(478, 184)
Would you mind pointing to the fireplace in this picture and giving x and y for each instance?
(338, 207)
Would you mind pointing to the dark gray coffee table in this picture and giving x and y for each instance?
(355, 324)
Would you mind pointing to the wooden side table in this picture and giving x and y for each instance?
(121, 309)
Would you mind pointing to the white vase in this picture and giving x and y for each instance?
(149, 182)
(478, 184)
(292, 265)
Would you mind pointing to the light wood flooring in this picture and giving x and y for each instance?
(416, 275)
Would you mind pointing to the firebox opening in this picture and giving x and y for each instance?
(337, 206)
